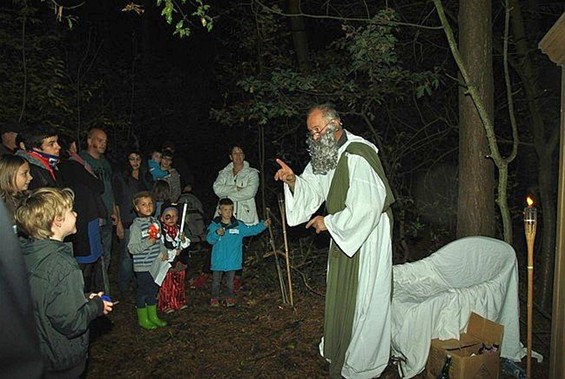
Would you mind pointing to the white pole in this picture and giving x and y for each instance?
(183, 218)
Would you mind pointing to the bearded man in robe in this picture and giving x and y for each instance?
(346, 173)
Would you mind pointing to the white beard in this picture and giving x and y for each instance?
(324, 151)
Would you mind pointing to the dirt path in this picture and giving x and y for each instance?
(259, 338)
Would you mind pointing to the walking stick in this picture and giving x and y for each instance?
(288, 274)
(530, 221)
(279, 272)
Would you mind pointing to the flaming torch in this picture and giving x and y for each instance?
(530, 224)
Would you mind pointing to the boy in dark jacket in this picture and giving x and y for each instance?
(62, 312)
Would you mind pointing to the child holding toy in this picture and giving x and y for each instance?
(226, 234)
(145, 246)
(172, 295)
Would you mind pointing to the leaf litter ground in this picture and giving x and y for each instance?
(259, 338)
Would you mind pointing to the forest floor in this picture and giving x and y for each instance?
(258, 338)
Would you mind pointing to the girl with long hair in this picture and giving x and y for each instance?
(14, 180)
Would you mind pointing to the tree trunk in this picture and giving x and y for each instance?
(546, 155)
(476, 203)
(299, 36)
(148, 33)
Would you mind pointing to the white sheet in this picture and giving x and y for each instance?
(434, 297)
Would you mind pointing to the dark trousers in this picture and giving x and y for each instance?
(92, 274)
(125, 275)
(217, 280)
(147, 290)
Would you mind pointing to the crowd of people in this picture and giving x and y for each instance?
(69, 205)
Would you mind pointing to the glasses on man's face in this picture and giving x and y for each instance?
(317, 131)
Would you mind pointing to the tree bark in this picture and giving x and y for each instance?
(545, 145)
(475, 213)
(299, 37)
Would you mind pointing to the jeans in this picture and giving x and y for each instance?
(217, 279)
(147, 290)
(125, 274)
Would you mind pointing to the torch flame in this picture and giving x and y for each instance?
(530, 201)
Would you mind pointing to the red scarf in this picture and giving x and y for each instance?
(45, 163)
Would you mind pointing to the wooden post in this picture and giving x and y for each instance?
(553, 45)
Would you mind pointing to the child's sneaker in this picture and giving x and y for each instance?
(214, 303)
(230, 302)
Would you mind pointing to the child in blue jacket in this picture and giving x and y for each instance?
(226, 234)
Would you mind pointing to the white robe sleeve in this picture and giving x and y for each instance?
(307, 197)
(351, 227)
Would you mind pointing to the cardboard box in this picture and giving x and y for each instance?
(463, 365)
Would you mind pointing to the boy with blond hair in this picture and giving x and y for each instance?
(62, 312)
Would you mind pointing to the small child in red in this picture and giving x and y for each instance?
(172, 295)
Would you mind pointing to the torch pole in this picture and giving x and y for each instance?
(530, 220)
(530, 302)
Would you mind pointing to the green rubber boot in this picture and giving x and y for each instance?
(152, 315)
(143, 320)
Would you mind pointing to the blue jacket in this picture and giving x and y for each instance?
(155, 170)
(227, 251)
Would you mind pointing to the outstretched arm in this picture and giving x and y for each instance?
(285, 174)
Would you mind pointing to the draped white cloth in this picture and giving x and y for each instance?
(362, 227)
(434, 297)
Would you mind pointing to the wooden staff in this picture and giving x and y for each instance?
(283, 221)
(279, 271)
(530, 221)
